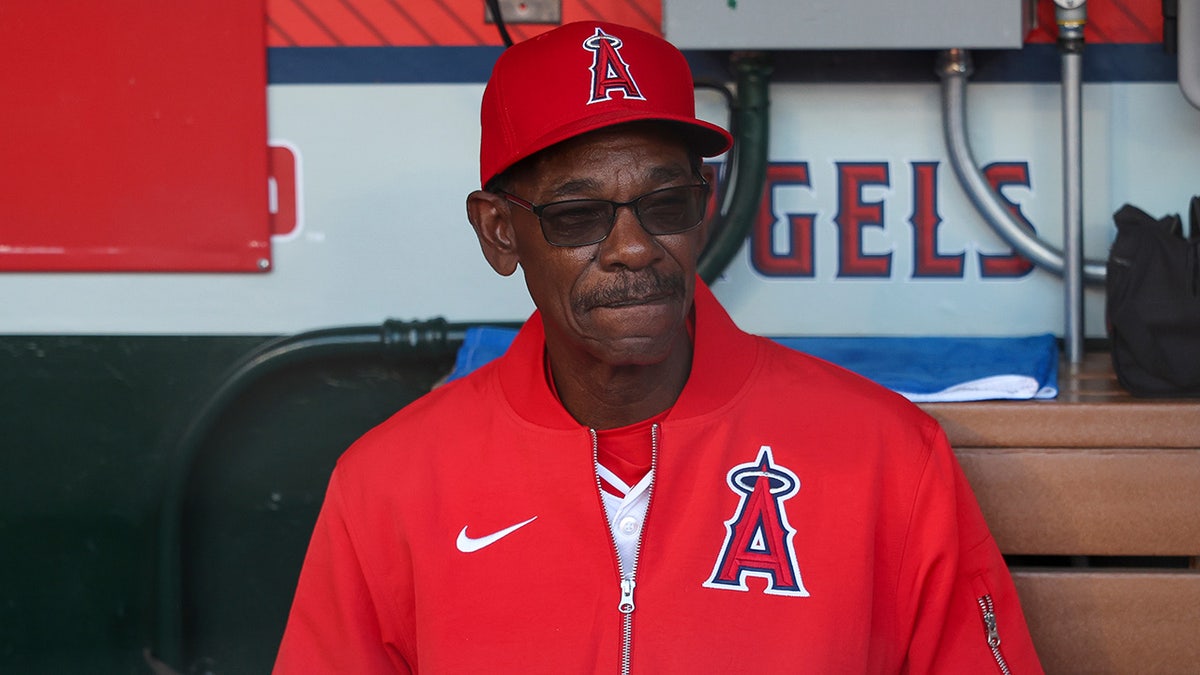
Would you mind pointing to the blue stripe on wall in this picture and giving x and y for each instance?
(1101, 63)
(390, 65)
(450, 65)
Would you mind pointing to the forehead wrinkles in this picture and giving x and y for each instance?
(649, 178)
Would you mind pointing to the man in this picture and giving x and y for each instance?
(637, 485)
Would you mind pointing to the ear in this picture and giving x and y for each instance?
(490, 216)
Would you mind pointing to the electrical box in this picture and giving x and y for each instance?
(845, 24)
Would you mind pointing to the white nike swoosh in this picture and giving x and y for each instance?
(470, 544)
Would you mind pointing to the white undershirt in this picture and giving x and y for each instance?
(626, 514)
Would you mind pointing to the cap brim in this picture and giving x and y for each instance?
(709, 140)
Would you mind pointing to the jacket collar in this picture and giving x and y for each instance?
(722, 359)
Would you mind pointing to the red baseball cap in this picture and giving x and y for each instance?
(581, 77)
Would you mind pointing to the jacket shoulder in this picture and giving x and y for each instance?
(420, 424)
(821, 382)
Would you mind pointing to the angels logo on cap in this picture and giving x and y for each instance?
(609, 71)
(578, 78)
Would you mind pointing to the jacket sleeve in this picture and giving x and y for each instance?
(964, 609)
(334, 626)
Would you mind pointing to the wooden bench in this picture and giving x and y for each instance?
(1095, 498)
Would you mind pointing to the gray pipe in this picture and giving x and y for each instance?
(1189, 50)
(954, 68)
(1071, 39)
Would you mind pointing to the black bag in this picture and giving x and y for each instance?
(1153, 303)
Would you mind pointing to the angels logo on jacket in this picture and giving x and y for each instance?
(758, 538)
(609, 71)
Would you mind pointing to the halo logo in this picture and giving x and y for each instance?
(609, 71)
(758, 538)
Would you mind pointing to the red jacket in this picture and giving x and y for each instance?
(802, 520)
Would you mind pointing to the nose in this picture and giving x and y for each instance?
(629, 245)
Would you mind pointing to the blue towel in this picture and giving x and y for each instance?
(927, 369)
(922, 369)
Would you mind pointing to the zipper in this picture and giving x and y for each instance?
(988, 610)
(628, 580)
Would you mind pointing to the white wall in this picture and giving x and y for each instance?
(385, 169)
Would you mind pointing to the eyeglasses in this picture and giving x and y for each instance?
(579, 222)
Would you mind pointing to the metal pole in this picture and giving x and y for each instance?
(1070, 25)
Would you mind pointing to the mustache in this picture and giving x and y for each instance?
(630, 288)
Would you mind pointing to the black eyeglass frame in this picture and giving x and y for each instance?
(538, 209)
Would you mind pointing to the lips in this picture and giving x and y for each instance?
(638, 300)
(632, 291)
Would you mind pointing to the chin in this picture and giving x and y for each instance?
(634, 350)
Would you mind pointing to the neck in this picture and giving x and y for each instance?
(602, 396)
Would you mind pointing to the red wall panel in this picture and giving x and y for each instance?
(134, 136)
(441, 23)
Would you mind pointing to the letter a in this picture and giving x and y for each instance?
(758, 538)
(609, 71)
